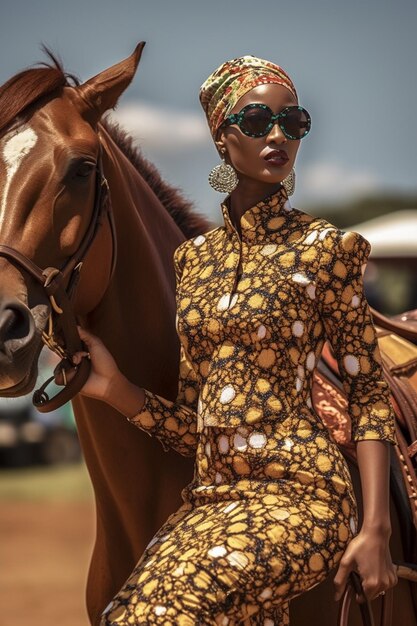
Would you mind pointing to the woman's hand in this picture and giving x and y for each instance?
(104, 370)
(105, 382)
(368, 554)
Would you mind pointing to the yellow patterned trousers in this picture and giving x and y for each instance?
(233, 562)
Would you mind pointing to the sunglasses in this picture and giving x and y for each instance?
(256, 120)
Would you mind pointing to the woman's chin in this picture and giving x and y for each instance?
(272, 178)
(276, 172)
(267, 176)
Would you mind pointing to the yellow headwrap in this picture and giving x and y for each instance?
(229, 82)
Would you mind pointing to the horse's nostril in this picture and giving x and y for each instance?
(14, 322)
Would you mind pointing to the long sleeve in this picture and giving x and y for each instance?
(349, 327)
(174, 423)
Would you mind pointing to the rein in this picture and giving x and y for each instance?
(62, 320)
(405, 572)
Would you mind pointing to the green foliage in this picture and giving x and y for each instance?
(46, 484)
(364, 208)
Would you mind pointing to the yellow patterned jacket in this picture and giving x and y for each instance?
(250, 341)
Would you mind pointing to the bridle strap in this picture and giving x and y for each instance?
(355, 586)
(27, 264)
(405, 572)
(62, 318)
(101, 210)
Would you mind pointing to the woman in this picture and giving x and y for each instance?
(271, 508)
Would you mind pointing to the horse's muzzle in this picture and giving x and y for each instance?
(18, 342)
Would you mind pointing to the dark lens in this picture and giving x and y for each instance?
(255, 120)
(296, 122)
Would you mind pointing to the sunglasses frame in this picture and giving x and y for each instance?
(237, 118)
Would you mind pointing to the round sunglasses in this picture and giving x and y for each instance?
(256, 120)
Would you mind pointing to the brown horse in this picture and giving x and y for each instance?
(50, 136)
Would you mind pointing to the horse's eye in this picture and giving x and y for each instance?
(84, 169)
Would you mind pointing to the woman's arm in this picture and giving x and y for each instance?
(368, 553)
(351, 332)
(374, 467)
(173, 422)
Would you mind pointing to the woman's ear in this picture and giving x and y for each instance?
(219, 143)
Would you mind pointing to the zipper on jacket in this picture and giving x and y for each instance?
(239, 271)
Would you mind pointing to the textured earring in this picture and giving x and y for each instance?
(289, 183)
(223, 177)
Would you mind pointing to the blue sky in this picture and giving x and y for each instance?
(353, 64)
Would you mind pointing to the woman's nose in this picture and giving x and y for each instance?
(276, 134)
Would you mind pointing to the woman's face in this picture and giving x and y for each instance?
(247, 154)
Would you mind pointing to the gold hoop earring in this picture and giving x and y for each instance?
(223, 177)
(289, 183)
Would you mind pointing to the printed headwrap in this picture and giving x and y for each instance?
(231, 80)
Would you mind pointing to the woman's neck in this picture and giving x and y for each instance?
(246, 195)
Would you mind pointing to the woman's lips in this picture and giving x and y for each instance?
(276, 157)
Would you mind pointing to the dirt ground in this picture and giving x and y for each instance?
(45, 547)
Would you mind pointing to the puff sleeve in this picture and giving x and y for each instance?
(350, 330)
(174, 423)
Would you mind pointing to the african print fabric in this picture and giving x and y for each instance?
(271, 506)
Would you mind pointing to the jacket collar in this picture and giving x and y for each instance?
(261, 221)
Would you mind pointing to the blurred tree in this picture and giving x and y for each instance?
(363, 208)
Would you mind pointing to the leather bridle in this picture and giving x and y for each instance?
(62, 320)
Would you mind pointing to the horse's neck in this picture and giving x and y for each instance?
(137, 210)
(136, 317)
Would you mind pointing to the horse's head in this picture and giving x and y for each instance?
(50, 183)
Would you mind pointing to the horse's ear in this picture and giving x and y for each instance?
(100, 93)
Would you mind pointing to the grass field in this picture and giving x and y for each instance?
(46, 484)
(46, 538)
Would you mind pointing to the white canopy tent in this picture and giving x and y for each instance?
(391, 235)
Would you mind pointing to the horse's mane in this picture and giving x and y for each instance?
(26, 90)
(181, 210)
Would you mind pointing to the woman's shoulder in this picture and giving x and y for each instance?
(329, 238)
(193, 246)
